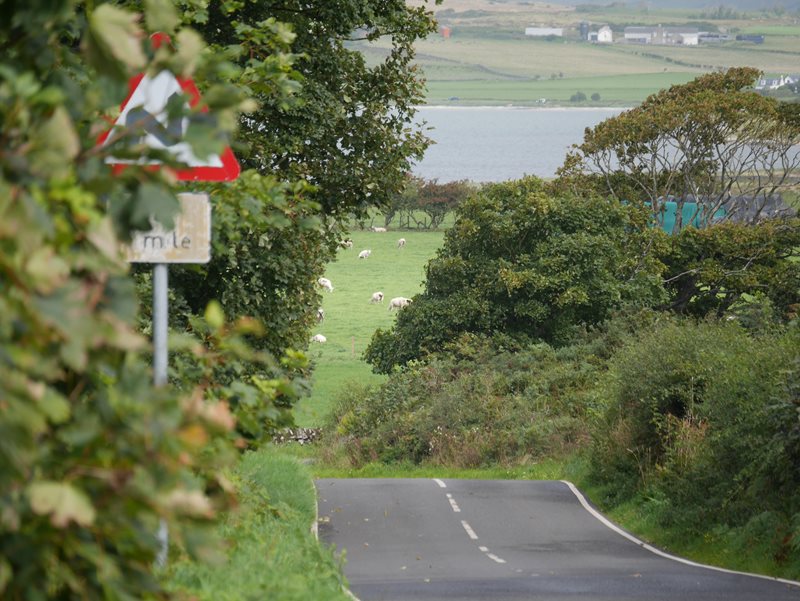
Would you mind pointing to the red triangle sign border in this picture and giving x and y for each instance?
(229, 169)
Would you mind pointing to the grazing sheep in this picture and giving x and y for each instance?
(399, 302)
(380, 230)
(320, 315)
(377, 297)
(348, 243)
(364, 254)
(319, 338)
(401, 242)
(325, 283)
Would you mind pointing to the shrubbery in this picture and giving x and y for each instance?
(704, 417)
(483, 401)
(527, 263)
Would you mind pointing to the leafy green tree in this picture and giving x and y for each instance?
(524, 263)
(438, 200)
(708, 141)
(712, 269)
(331, 137)
(92, 457)
(349, 130)
(425, 204)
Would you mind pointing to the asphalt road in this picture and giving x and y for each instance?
(501, 540)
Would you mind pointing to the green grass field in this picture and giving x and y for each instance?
(621, 90)
(350, 318)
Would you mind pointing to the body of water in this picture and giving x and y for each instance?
(492, 144)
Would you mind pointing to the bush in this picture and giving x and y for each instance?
(482, 401)
(655, 385)
(526, 264)
(703, 416)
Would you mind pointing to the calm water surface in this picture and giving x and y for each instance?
(491, 144)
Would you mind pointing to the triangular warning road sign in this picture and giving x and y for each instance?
(146, 105)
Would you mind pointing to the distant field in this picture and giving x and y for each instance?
(788, 30)
(487, 59)
(619, 90)
(350, 319)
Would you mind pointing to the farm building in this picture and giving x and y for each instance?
(543, 32)
(773, 83)
(686, 36)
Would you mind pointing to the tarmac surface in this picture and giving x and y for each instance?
(432, 539)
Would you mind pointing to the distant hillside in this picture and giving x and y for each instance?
(749, 5)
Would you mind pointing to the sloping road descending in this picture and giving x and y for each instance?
(501, 540)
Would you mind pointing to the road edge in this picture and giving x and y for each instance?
(315, 532)
(612, 526)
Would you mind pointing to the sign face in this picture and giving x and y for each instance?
(189, 242)
(146, 108)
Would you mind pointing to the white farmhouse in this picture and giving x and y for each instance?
(605, 35)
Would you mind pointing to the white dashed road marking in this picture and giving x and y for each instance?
(453, 504)
(467, 528)
(470, 531)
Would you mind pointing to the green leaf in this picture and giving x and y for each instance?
(203, 136)
(189, 48)
(54, 143)
(62, 502)
(54, 406)
(115, 33)
(156, 202)
(47, 271)
(214, 315)
(160, 15)
(6, 573)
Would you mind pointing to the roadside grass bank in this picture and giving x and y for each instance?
(268, 550)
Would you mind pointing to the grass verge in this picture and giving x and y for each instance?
(269, 552)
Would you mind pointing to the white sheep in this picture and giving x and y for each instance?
(320, 315)
(401, 242)
(377, 297)
(348, 243)
(364, 254)
(380, 230)
(319, 338)
(325, 283)
(399, 302)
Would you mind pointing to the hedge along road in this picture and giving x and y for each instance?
(493, 539)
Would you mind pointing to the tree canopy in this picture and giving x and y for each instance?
(524, 263)
(713, 141)
(92, 456)
(349, 130)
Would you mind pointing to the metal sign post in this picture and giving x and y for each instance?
(160, 362)
(188, 242)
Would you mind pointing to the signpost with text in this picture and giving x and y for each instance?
(189, 241)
